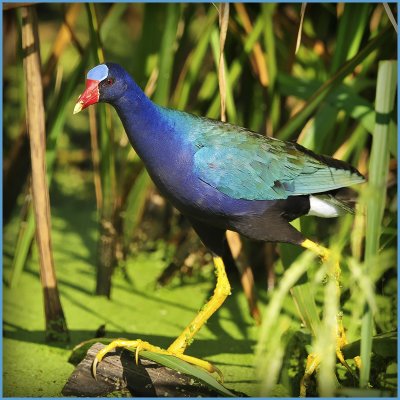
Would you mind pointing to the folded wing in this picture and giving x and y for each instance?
(245, 165)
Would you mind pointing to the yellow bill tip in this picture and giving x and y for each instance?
(78, 107)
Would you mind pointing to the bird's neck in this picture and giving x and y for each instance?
(142, 119)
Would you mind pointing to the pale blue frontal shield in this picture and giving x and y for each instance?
(98, 73)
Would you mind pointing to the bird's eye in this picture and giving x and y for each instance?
(109, 82)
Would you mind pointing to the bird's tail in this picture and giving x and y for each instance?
(326, 205)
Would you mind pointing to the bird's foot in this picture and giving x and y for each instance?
(314, 359)
(139, 345)
(341, 341)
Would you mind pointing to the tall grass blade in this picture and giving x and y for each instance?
(188, 369)
(345, 97)
(299, 119)
(384, 345)
(112, 19)
(236, 68)
(353, 23)
(376, 193)
(94, 146)
(193, 64)
(96, 48)
(272, 66)
(305, 303)
(107, 236)
(325, 341)
(135, 205)
(166, 61)
(24, 241)
(258, 54)
(223, 28)
(270, 324)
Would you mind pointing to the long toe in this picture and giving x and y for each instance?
(140, 345)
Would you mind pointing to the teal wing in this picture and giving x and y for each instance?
(245, 165)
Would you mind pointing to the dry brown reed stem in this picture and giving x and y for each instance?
(233, 238)
(223, 25)
(63, 39)
(259, 57)
(10, 6)
(390, 15)
(302, 12)
(56, 327)
(246, 273)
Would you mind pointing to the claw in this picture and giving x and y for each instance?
(137, 351)
(219, 373)
(100, 355)
(94, 366)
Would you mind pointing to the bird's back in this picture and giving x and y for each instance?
(246, 165)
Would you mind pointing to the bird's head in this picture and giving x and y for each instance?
(105, 82)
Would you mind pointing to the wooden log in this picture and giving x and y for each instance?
(118, 372)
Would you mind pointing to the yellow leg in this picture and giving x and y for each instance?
(314, 360)
(325, 254)
(312, 363)
(222, 290)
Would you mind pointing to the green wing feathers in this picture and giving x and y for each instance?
(245, 165)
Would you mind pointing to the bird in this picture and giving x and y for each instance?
(220, 177)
